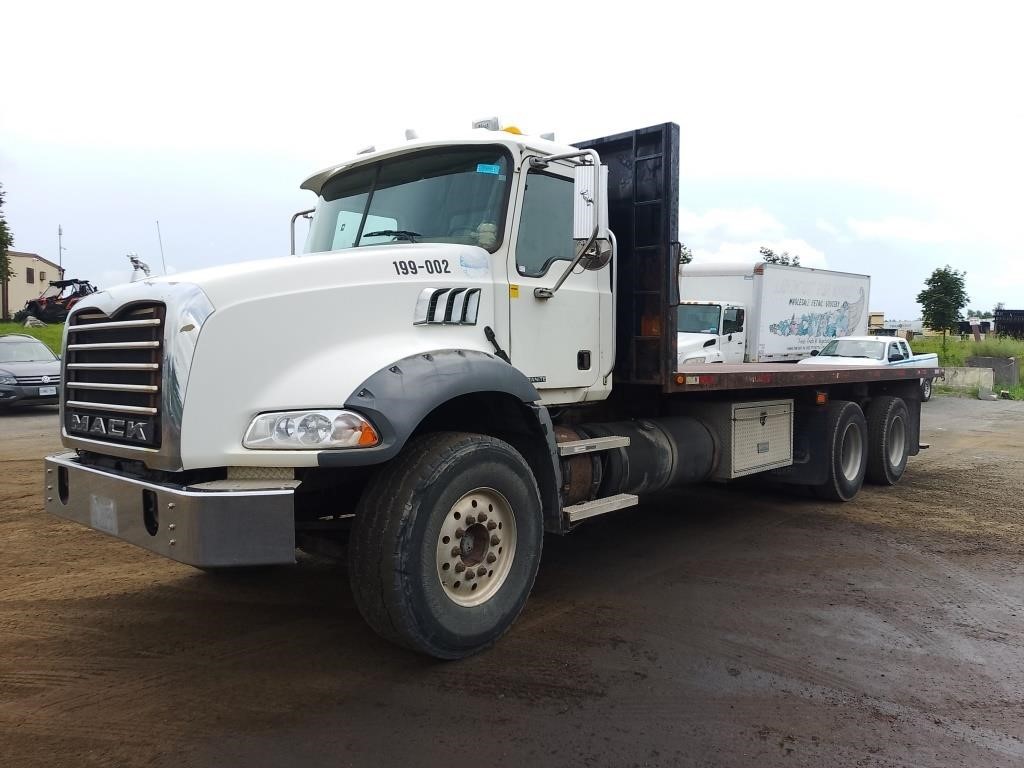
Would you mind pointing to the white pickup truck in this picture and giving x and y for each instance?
(873, 351)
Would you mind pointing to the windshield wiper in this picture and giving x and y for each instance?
(398, 234)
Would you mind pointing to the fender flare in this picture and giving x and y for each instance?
(397, 398)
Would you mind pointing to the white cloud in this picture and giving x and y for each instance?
(733, 252)
(902, 228)
(729, 223)
(827, 226)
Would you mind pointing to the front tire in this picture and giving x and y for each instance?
(446, 543)
(846, 440)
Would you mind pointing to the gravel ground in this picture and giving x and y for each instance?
(732, 627)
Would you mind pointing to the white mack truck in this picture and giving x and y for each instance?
(487, 353)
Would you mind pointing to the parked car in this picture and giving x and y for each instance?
(29, 372)
(874, 350)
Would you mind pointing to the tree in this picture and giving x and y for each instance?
(6, 241)
(685, 254)
(942, 300)
(768, 256)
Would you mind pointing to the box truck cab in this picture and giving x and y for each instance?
(711, 332)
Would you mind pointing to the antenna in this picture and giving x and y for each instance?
(161, 241)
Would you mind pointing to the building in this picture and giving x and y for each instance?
(32, 276)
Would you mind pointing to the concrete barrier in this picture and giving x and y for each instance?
(969, 378)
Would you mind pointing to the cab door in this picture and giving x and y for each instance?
(734, 334)
(555, 342)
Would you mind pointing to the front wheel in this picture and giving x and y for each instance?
(446, 543)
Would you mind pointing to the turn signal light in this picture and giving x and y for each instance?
(821, 398)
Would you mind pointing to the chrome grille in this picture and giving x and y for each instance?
(37, 381)
(113, 368)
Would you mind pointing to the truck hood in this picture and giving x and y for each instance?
(689, 343)
(838, 360)
(305, 332)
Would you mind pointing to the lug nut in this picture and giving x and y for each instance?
(456, 551)
(470, 519)
(481, 571)
(495, 540)
(459, 533)
(482, 517)
(491, 557)
(469, 575)
(460, 567)
(491, 525)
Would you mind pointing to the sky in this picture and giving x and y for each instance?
(884, 138)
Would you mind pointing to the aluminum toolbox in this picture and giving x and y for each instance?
(752, 436)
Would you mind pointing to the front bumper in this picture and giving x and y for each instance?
(201, 526)
(24, 394)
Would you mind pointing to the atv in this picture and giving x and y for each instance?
(56, 301)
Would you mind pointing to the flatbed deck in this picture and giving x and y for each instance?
(717, 376)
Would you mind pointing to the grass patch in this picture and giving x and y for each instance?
(958, 351)
(50, 335)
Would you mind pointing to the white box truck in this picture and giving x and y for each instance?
(468, 377)
(756, 313)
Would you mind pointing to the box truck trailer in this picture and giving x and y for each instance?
(735, 313)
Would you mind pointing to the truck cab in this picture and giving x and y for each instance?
(711, 332)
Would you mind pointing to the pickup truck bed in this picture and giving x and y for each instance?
(716, 377)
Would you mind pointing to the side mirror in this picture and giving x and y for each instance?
(814, 353)
(590, 202)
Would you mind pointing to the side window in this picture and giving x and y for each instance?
(894, 351)
(42, 277)
(545, 227)
(30, 275)
(733, 322)
(906, 350)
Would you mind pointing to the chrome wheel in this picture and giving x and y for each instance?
(897, 440)
(476, 547)
(852, 456)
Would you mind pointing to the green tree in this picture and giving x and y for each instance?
(685, 254)
(6, 241)
(942, 300)
(768, 256)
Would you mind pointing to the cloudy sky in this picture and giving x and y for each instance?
(885, 138)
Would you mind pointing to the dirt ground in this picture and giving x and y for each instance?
(713, 627)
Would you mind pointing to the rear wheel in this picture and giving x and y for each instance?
(888, 440)
(846, 441)
(445, 544)
(926, 390)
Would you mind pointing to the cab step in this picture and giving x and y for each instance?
(578, 512)
(575, 447)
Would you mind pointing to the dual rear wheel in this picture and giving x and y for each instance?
(874, 447)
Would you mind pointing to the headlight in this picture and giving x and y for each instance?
(290, 430)
(698, 359)
(6, 378)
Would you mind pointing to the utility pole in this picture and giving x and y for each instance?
(60, 250)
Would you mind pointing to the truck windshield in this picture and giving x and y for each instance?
(699, 318)
(449, 195)
(873, 350)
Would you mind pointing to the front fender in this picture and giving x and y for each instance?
(397, 398)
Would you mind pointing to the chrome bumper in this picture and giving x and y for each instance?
(204, 528)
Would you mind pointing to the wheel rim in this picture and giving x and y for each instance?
(476, 546)
(852, 455)
(927, 388)
(897, 440)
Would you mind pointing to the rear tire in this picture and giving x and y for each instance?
(888, 440)
(926, 390)
(846, 441)
(418, 534)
